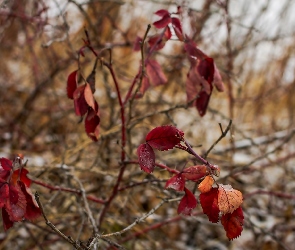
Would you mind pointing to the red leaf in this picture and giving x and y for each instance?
(6, 164)
(163, 22)
(155, 73)
(80, 103)
(92, 121)
(195, 173)
(4, 193)
(167, 33)
(233, 223)
(137, 44)
(145, 84)
(206, 69)
(209, 203)
(177, 28)
(72, 84)
(162, 12)
(5, 168)
(89, 96)
(156, 41)
(187, 203)
(164, 137)
(202, 102)
(176, 182)
(16, 204)
(21, 174)
(32, 209)
(146, 157)
(7, 223)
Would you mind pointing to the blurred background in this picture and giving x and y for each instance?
(252, 43)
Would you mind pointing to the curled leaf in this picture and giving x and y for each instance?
(164, 137)
(229, 199)
(146, 157)
(80, 103)
(92, 122)
(154, 72)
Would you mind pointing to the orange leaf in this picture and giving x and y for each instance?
(89, 96)
(229, 199)
(206, 185)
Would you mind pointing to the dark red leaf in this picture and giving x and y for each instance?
(80, 103)
(16, 204)
(162, 12)
(5, 168)
(156, 41)
(164, 137)
(155, 73)
(202, 102)
(137, 44)
(4, 193)
(233, 223)
(206, 69)
(195, 173)
(146, 157)
(72, 84)
(177, 28)
(209, 203)
(32, 209)
(7, 223)
(163, 22)
(6, 164)
(187, 203)
(92, 121)
(176, 182)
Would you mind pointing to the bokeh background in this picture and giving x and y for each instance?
(252, 43)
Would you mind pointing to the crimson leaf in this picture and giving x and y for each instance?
(164, 21)
(177, 28)
(72, 84)
(146, 157)
(80, 103)
(209, 203)
(164, 137)
(233, 223)
(176, 182)
(187, 203)
(92, 122)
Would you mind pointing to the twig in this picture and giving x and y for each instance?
(223, 134)
(48, 223)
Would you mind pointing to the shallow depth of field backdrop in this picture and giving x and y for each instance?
(252, 43)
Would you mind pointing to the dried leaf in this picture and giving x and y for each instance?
(229, 199)
(146, 158)
(233, 223)
(89, 98)
(164, 137)
(92, 122)
(81, 106)
(206, 184)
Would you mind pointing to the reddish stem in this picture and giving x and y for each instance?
(69, 190)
